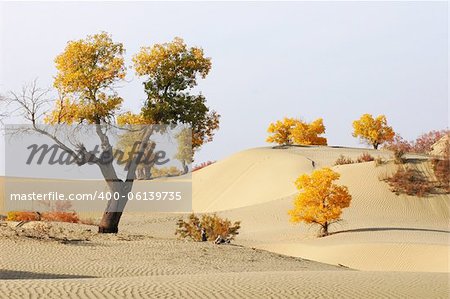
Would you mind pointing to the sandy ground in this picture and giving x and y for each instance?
(395, 246)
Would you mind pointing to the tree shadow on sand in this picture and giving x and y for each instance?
(376, 229)
(10, 274)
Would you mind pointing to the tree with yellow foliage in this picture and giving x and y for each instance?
(87, 73)
(293, 131)
(308, 134)
(374, 131)
(281, 131)
(320, 201)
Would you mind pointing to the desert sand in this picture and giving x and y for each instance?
(386, 246)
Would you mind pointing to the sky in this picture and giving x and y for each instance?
(335, 60)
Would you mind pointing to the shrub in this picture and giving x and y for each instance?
(409, 181)
(365, 157)
(342, 160)
(399, 144)
(60, 217)
(425, 141)
(23, 216)
(53, 216)
(441, 168)
(212, 225)
(202, 165)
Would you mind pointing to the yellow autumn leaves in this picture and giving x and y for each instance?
(288, 131)
(320, 201)
(293, 131)
(374, 131)
(172, 58)
(88, 68)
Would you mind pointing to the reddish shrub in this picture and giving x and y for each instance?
(60, 217)
(424, 142)
(202, 165)
(23, 216)
(342, 160)
(365, 157)
(409, 181)
(45, 216)
(398, 144)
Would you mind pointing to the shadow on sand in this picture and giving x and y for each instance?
(376, 229)
(10, 274)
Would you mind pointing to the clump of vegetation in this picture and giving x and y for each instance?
(374, 131)
(52, 216)
(410, 181)
(399, 144)
(441, 168)
(320, 201)
(207, 228)
(342, 160)
(365, 157)
(23, 216)
(424, 142)
(293, 131)
(56, 216)
(202, 165)
(422, 145)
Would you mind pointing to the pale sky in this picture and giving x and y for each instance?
(335, 60)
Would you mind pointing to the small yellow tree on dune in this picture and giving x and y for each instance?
(281, 131)
(308, 134)
(320, 201)
(374, 131)
(293, 131)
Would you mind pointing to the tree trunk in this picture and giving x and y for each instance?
(110, 223)
(111, 217)
(375, 145)
(324, 230)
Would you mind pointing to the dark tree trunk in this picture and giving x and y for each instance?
(111, 217)
(375, 145)
(324, 230)
(110, 223)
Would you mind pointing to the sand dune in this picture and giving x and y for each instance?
(260, 175)
(381, 231)
(404, 239)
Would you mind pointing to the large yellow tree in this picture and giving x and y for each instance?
(293, 131)
(87, 72)
(375, 131)
(320, 201)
